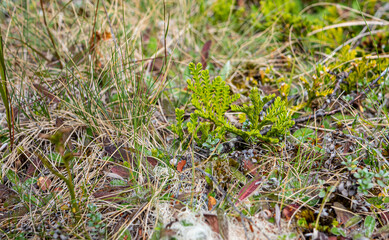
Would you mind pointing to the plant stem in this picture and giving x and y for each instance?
(5, 95)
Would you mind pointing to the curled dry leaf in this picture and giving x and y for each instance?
(342, 214)
(249, 189)
(384, 217)
(180, 165)
(33, 165)
(205, 53)
(44, 183)
(211, 202)
(119, 153)
(289, 210)
(212, 221)
(121, 171)
(251, 168)
(152, 160)
(111, 193)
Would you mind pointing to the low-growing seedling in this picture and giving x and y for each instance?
(67, 158)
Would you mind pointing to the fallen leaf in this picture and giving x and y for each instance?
(156, 64)
(32, 166)
(118, 153)
(249, 165)
(121, 171)
(289, 210)
(223, 223)
(180, 165)
(342, 214)
(111, 193)
(59, 122)
(384, 217)
(212, 221)
(211, 202)
(153, 161)
(5, 193)
(46, 93)
(205, 53)
(44, 183)
(249, 189)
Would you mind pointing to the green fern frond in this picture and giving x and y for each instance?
(212, 99)
(177, 128)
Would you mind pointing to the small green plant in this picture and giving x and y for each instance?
(177, 128)
(67, 158)
(212, 144)
(350, 163)
(98, 228)
(365, 180)
(212, 99)
(382, 178)
(276, 117)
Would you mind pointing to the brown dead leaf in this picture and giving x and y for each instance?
(223, 223)
(46, 93)
(384, 217)
(205, 53)
(249, 189)
(111, 193)
(168, 233)
(44, 183)
(180, 165)
(5, 192)
(152, 160)
(33, 166)
(121, 171)
(59, 122)
(211, 202)
(146, 36)
(212, 221)
(119, 153)
(342, 214)
(156, 64)
(251, 168)
(289, 210)
(97, 37)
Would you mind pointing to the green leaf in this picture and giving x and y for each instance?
(118, 182)
(369, 226)
(303, 134)
(55, 157)
(352, 221)
(226, 70)
(338, 231)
